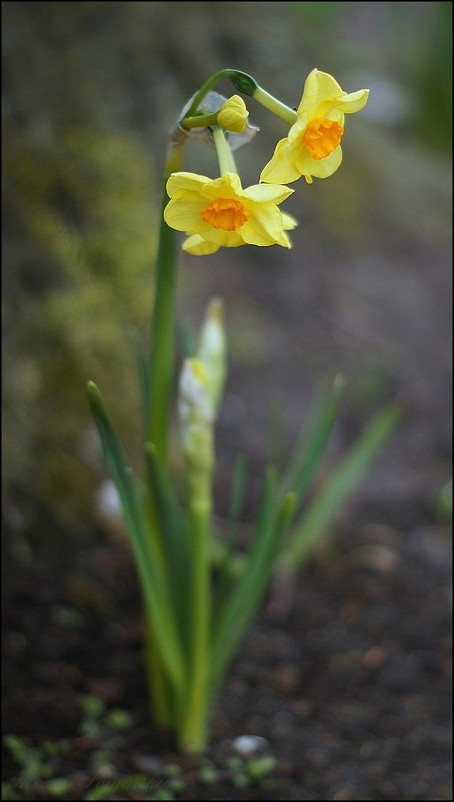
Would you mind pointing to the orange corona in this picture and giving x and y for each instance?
(225, 213)
(321, 137)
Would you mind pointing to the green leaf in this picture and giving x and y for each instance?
(155, 589)
(234, 617)
(226, 570)
(312, 442)
(174, 539)
(339, 486)
(143, 384)
(142, 372)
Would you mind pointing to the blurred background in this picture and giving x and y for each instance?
(90, 93)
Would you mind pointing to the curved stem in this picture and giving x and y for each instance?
(200, 94)
(200, 120)
(275, 106)
(241, 81)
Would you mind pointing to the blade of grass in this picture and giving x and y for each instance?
(339, 486)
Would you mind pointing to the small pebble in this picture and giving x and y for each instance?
(380, 558)
(375, 657)
(148, 764)
(248, 745)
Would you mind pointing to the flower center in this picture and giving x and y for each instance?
(322, 136)
(225, 213)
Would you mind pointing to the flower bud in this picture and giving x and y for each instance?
(233, 114)
(212, 351)
(212, 102)
(196, 418)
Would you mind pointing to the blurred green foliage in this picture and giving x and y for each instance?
(421, 48)
(79, 278)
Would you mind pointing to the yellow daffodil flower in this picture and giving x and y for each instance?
(217, 213)
(312, 147)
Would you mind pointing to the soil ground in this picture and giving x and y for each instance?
(347, 682)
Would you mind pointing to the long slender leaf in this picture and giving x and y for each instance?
(143, 384)
(246, 598)
(313, 441)
(225, 571)
(142, 373)
(155, 590)
(174, 538)
(236, 614)
(339, 486)
(262, 530)
(237, 495)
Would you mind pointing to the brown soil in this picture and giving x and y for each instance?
(347, 679)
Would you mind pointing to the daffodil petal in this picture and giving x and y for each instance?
(289, 222)
(298, 128)
(319, 87)
(319, 168)
(185, 181)
(228, 186)
(268, 193)
(336, 115)
(355, 101)
(280, 169)
(184, 213)
(198, 246)
(222, 238)
(264, 228)
(285, 241)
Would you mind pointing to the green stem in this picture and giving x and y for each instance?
(157, 684)
(160, 384)
(156, 675)
(275, 106)
(162, 343)
(198, 97)
(241, 81)
(200, 120)
(223, 151)
(193, 733)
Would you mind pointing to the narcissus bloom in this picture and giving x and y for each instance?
(219, 212)
(312, 147)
